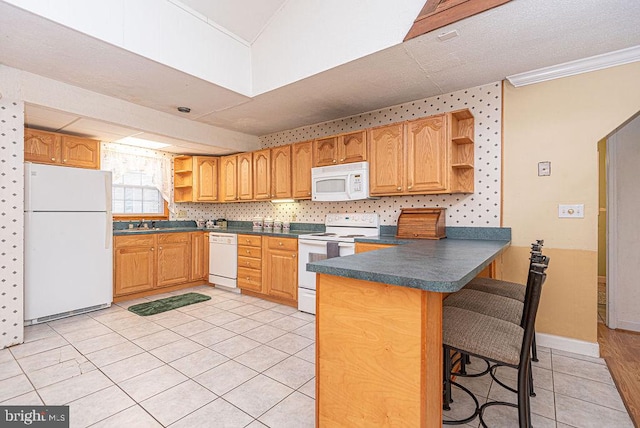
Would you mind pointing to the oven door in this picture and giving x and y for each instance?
(310, 251)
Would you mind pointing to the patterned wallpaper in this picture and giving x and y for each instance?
(479, 209)
(11, 221)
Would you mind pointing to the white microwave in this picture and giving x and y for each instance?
(348, 182)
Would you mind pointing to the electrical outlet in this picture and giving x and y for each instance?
(181, 214)
(571, 211)
(544, 168)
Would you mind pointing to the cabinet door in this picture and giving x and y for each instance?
(262, 174)
(301, 163)
(80, 152)
(205, 186)
(174, 259)
(281, 172)
(41, 147)
(134, 265)
(427, 155)
(386, 160)
(281, 273)
(245, 177)
(228, 177)
(353, 147)
(199, 256)
(325, 151)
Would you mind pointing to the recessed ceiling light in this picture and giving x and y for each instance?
(184, 109)
(139, 142)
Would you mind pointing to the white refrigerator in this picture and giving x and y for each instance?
(68, 255)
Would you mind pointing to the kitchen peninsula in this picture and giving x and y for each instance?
(379, 329)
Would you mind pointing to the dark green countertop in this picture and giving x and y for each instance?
(444, 265)
(291, 234)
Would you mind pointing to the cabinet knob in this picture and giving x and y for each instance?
(159, 248)
(280, 243)
(342, 160)
(399, 188)
(409, 187)
(248, 252)
(248, 241)
(151, 249)
(64, 161)
(293, 256)
(53, 159)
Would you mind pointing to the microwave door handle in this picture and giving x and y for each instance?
(349, 185)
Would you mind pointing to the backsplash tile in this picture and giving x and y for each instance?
(12, 223)
(481, 208)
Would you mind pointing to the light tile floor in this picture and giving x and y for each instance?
(239, 361)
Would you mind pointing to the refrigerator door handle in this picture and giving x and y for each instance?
(108, 236)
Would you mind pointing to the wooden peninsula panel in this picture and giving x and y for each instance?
(379, 354)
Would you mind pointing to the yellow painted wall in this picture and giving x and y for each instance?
(561, 121)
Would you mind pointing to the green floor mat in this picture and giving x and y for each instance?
(163, 305)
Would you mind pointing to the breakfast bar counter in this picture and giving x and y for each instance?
(379, 330)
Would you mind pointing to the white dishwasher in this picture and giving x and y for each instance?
(223, 260)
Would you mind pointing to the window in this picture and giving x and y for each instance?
(139, 178)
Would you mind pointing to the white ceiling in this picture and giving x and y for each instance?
(244, 18)
(520, 36)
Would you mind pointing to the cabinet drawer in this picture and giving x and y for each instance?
(250, 240)
(283, 244)
(248, 262)
(251, 277)
(255, 252)
(165, 238)
(134, 241)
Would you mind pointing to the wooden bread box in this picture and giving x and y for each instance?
(421, 223)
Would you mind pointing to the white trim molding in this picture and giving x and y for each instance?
(571, 68)
(568, 344)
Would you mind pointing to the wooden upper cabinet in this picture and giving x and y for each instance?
(41, 146)
(301, 163)
(228, 190)
(262, 174)
(386, 159)
(352, 147)
(80, 152)
(245, 177)
(427, 155)
(325, 151)
(281, 172)
(205, 182)
(58, 149)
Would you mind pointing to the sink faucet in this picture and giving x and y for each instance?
(141, 224)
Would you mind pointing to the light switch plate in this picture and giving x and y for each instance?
(544, 168)
(571, 211)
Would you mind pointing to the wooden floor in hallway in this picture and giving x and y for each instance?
(621, 350)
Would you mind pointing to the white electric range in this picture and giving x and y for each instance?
(338, 240)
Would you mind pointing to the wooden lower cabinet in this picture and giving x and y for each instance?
(268, 268)
(250, 263)
(199, 256)
(280, 268)
(134, 264)
(174, 259)
(153, 263)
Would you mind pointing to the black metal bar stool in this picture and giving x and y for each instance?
(495, 340)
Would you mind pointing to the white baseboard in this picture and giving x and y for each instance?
(567, 344)
(628, 325)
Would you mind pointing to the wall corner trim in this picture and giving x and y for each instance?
(589, 349)
(571, 68)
